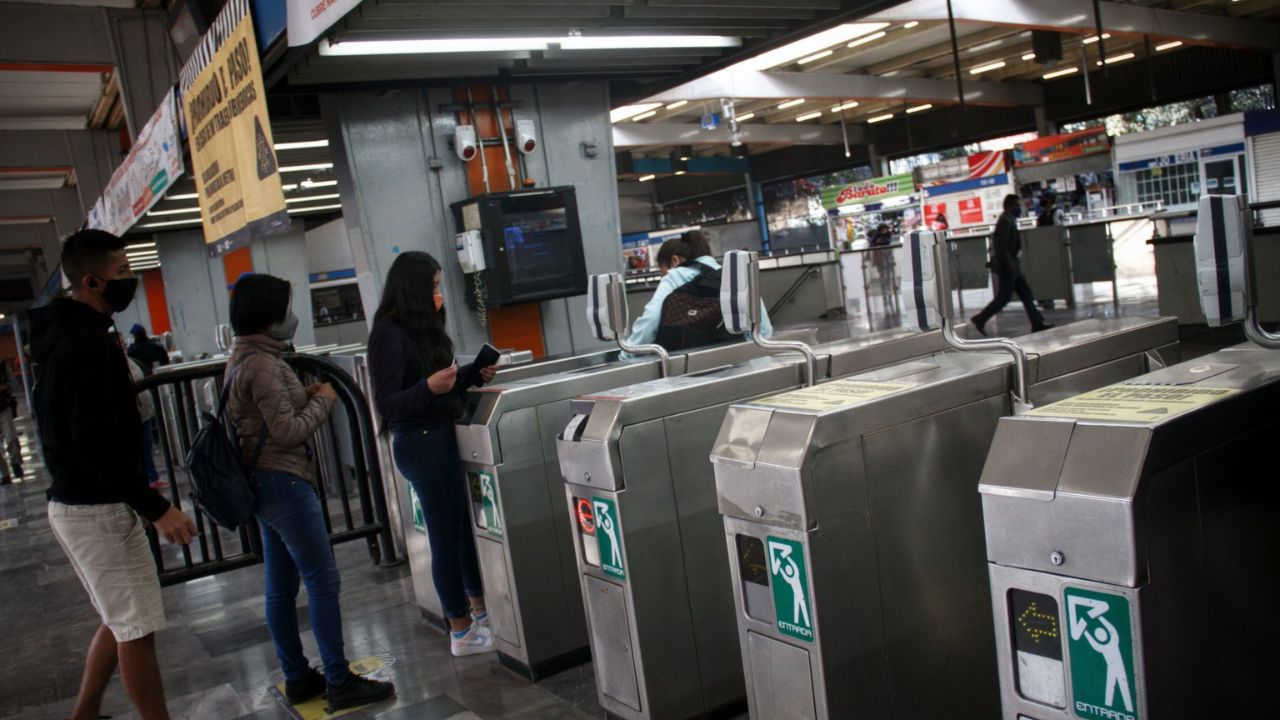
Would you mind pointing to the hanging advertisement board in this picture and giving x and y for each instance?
(865, 192)
(1054, 148)
(153, 165)
(308, 19)
(979, 165)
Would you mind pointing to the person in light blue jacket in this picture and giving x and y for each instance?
(674, 260)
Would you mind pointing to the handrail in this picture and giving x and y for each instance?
(795, 288)
(1252, 322)
(757, 335)
(618, 319)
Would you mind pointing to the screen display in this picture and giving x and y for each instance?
(751, 560)
(537, 241)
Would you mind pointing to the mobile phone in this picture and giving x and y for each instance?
(487, 357)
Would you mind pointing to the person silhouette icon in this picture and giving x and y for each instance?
(1106, 642)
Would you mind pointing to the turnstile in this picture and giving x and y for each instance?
(647, 535)
(852, 519)
(521, 526)
(1131, 537)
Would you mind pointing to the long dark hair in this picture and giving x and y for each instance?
(690, 246)
(407, 300)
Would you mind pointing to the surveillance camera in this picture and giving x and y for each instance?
(464, 142)
(526, 139)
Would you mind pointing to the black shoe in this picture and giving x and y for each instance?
(357, 690)
(17, 471)
(977, 325)
(1043, 326)
(311, 685)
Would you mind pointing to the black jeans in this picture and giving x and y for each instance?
(1008, 283)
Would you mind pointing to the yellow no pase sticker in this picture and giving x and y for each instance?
(1133, 403)
(832, 395)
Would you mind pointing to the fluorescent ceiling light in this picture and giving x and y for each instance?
(625, 112)
(644, 116)
(334, 196)
(846, 106)
(911, 24)
(805, 47)
(809, 116)
(646, 178)
(304, 168)
(680, 172)
(986, 46)
(879, 118)
(178, 211)
(1118, 58)
(790, 103)
(140, 246)
(987, 68)
(302, 145)
(626, 42)
(315, 208)
(815, 56)
(1060, 73)
(168, 223)
(188, 196)
(1029, 56)
(866, 39)
(677, 104)
(891, 73)
(427, 46)
(290, 187)
(318, 183)
(145, 257)
(684, 158)
(746, 116)
(1169, 46)
(919, 108)
(1094, 38)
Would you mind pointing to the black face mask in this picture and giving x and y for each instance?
(119, 293)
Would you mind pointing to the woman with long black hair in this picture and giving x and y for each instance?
(418, 389)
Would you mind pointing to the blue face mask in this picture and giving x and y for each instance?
(1016, 211)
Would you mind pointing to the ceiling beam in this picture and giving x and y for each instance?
(1116, 18)
(627, 135)
(781, 85)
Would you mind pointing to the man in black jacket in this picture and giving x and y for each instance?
(1006, 244)
(146, 350)
(89, 428)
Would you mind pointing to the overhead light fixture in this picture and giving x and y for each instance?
(646, 178)
(188, 196)
(139, 246)
(911, 24)
(290, 187)
(919, 108)
(307, 184)
(1094, 38)
(790, 103)
(809, 116)
(315, 208)
(312, 198)
(847, 106)
(891, 73)
(746, 116)
(987, 68)
(627, 42)
(986, 46)
(1169, 46)
(805, 47)
(644, 116)
(1029, 56)
(304, 168)
(879, 118)
(680, 172)
(302, 145)
(815, 56)
(1060, 73)
(1118, 58)
(866, 39)
(677, 104)
(626, 112)
(177, 211)
(170, 223)
(430, 46)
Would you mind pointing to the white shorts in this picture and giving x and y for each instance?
(108, 548)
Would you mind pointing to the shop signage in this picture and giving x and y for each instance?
(1182, 158)
(979, 165)
(232, 154)
(1053, 148)
(309, 18)
(970, 210)
(868, 191)
(153, 165)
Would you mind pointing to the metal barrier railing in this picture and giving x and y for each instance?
(354, 510)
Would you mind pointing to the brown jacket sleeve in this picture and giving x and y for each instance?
(270, 383)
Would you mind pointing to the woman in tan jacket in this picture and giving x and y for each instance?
(275, 417)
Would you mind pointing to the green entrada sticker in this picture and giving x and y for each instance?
(607, 533)
(489, 497)
(419, 520)
(1100, 645)
(790, 585)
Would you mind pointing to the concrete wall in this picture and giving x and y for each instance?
(384, 144)
(329, 248)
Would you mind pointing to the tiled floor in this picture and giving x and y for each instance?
(217, 657)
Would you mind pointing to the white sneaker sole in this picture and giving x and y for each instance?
(466, 650)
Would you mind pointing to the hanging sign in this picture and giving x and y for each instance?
(987, 163)
(308, 19)
(153, 165)
(1053, 148)
(865, 192)
(232, 155)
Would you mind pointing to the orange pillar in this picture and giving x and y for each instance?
(235, 264)
(157, 303)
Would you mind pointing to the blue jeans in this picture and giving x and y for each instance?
(148, 451)
(428, 458)
(295, 541)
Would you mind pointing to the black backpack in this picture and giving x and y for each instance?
(691, 315)
(220, 482)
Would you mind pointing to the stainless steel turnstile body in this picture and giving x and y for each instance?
(853, 520)
(1132, 537)
(521, 526)
(647, 537)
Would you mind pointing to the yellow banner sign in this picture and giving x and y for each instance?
(232, 153)
(833, 395)
(1133, 403)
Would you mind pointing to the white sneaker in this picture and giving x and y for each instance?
(481, 620)
(478, 640)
